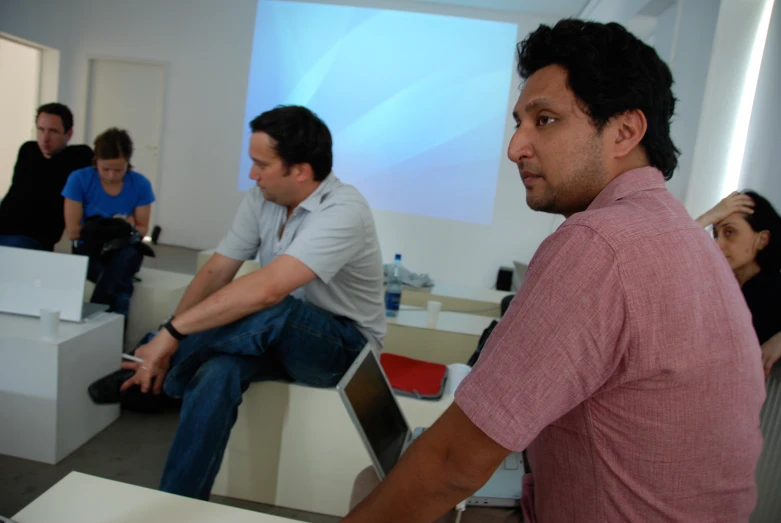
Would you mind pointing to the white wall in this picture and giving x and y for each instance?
(762, 159)
(20, 67)
(207, 45)
(684, 37)
(736, 32)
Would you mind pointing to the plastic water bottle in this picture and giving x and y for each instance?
(393, 289)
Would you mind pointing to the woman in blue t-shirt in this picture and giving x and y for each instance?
(110, 189)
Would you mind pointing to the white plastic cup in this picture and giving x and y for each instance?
(432, 313)
(50, 322)
(456, 372)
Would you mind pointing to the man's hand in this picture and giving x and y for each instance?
(735, 202)
(157, 358)
(771, 353)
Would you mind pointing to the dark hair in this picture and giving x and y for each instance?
(299, 137)
(60, 110)
(113, 143)
(765, 218)
(611, 72)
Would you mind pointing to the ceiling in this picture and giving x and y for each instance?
(552, 8)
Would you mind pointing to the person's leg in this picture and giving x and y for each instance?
(209, 410)
(114, 286)
(20, 242)
(212, 369)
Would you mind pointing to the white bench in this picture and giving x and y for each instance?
(453, 340)
(154, 299)
(295, 446)
(44, 405)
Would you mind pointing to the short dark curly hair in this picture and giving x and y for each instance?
(299, 137)
(610, 71)
(766, 218)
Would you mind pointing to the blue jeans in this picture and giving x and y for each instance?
(113, 278)
(20, 241)
(211, 370)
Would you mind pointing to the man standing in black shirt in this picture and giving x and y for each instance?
(31, 213)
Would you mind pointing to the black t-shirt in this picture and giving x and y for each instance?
(33, 205)
(763, 296)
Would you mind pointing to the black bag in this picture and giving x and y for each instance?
(480, 344)
(101, 235)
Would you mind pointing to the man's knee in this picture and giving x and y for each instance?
(218, 377)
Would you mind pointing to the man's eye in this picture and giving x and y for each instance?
(545, 120)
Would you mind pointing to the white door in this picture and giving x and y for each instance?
(130, 96)
(20, 77)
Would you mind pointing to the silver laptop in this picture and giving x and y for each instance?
(33, 280)
(373, 408)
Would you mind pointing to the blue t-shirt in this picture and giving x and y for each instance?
(84, 186)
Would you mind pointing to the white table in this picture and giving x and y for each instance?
(79, 498)
(452, 340)
(458, 298)
(44, 406)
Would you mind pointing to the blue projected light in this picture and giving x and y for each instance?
(417, 103)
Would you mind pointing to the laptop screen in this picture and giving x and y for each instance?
(377, 412)
(31, 280)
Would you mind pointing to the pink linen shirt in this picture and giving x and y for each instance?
(628, 366)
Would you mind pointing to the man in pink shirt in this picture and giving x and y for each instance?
(627, 365)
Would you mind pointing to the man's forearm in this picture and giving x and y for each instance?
(236, 300)
(420, 489)
(202, 286)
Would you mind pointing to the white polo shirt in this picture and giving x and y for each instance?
(332, 232)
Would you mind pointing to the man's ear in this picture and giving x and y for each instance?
(629, 129)
(69, 135)
(302, 172)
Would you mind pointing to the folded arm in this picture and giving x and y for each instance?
(446, 465)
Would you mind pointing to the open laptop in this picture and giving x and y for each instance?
(33, 280)
(373, 408)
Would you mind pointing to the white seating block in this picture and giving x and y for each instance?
(44, 405)
(295, 446)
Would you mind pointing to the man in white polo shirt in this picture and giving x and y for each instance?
(305, 315)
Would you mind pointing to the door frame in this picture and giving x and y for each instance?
(89, 58)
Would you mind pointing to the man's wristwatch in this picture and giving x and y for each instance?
(178, 336)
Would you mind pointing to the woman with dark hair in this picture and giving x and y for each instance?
(110, 189)
(748, 231)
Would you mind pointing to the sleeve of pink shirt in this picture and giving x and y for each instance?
(558, 343)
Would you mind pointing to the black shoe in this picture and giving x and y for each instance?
(106, 389)
(135, 400)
